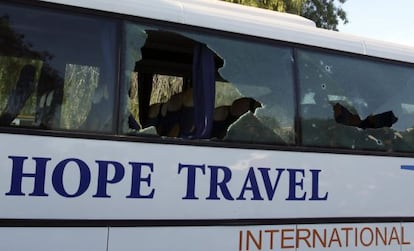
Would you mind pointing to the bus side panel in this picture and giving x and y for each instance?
(335, 237)
(51, 239)
(56, 178)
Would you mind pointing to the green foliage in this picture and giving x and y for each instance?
(15, 53)
(10, 68)
(325, 13)
(81, 82)
(15, 44)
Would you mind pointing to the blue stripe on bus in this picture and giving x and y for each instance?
(407, 167)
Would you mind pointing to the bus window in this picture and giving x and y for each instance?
(243, 90)
(157, 66)
(18, 78)
(56, 70)
(262, 75)
(352, 103)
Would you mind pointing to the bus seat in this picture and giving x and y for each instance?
(18, 96)
(187, 126)
(187, 98)
(224, 116)
(154, 113)
(175, 102)
(43, 111)
(221, 122)
(154, 110)
(49, 98)
(221, 113)
(169, 124)
(242, 105)
(176, 116)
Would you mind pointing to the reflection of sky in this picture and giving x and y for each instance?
(249, 161)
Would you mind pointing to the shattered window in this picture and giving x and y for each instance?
(346, 102)
(186, 85)
(261, 75)
(57, 70)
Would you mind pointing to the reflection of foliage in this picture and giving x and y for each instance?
(14, 44)
(10, 68)
(16, 52)
(325, 13)
(80, 84)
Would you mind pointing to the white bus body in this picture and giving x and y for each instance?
(250, 21)
(59, 192)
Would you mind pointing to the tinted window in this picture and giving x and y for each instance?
(352, 103)
(56, 70)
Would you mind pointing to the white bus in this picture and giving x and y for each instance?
(200, 125)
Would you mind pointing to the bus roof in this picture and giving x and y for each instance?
(241, 19)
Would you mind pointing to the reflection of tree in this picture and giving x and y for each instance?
(14, 44)
(15, 53)
(325, 13)
(10, 68)
(80, 85)
(73, 95)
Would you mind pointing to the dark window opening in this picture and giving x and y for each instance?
(195, 87)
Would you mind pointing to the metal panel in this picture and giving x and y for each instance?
(93, 179)
(250, 21)
(52, 239)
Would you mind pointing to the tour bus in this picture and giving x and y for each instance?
(200, 125)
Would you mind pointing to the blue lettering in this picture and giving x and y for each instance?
(84, 179)
(315, 186)
(191, 178)
(215, 184)
(293, 183)
(220, 181)
(137, 179)
(270, 189)
(18, 174)
(103, 180)
(254, 187)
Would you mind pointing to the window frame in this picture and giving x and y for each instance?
(115, 134)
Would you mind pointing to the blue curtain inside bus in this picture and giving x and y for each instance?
(204, 82)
